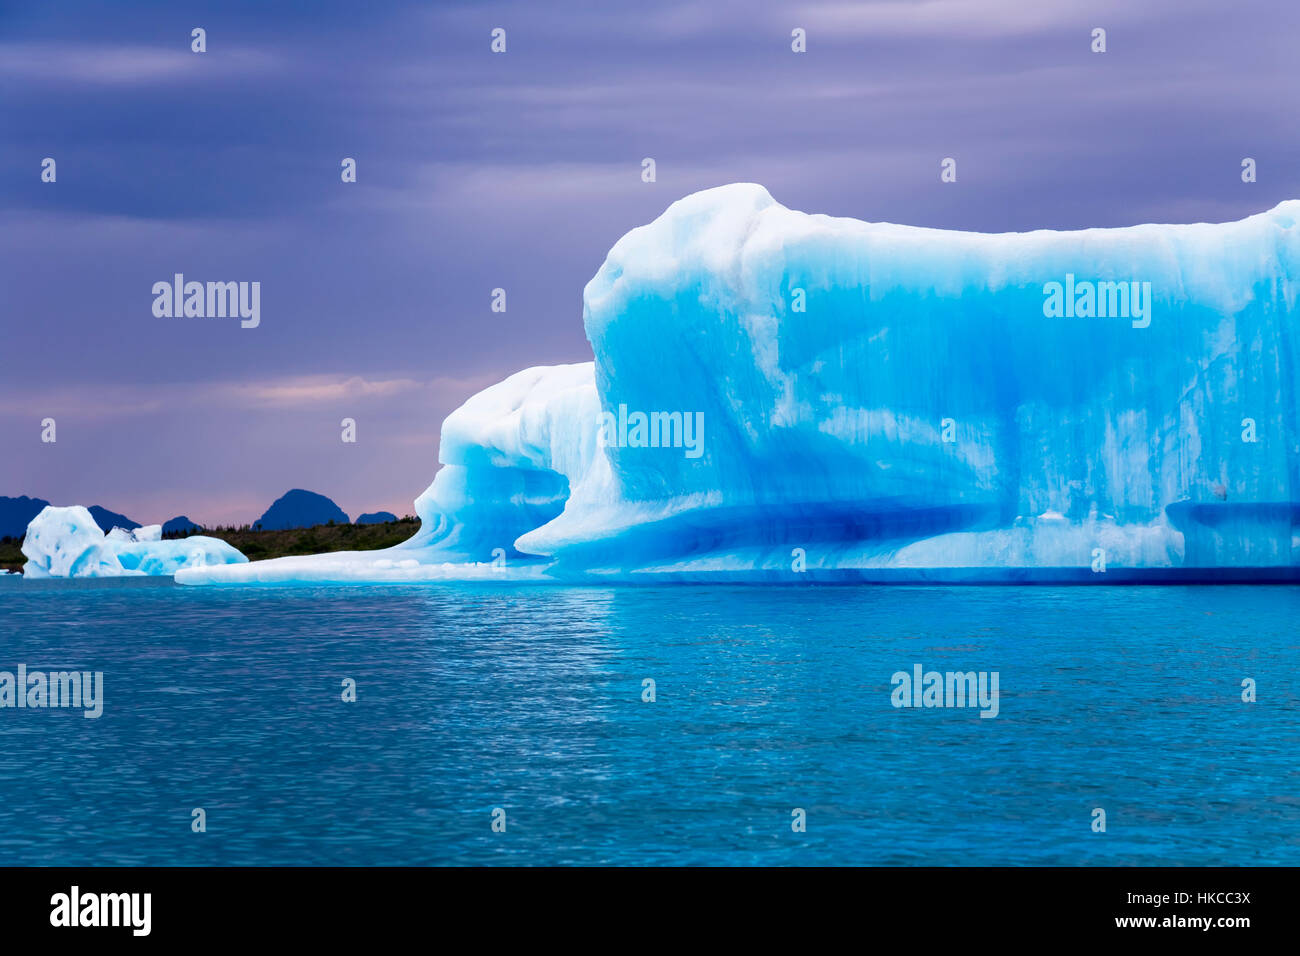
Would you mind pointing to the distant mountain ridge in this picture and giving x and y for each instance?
(17, 513)
(181, 525)
(298, 508)
(108, 520)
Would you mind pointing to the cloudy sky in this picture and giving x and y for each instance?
(518, 170)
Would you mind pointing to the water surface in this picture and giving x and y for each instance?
(529, 699)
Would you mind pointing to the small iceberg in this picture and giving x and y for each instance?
(67, 543)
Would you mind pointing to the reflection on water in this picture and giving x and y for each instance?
(529, 699)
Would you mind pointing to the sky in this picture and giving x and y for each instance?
(518, 170)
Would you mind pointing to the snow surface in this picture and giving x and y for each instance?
(824, 441)
(67, 543)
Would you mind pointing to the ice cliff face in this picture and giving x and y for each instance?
(67, 543)
(775, 391)
(508, 456)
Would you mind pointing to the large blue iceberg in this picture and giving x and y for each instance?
(782, 396)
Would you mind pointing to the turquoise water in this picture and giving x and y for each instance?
(529, 699)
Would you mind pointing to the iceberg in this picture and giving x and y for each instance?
(784, 396)
(67, 543)
(505, 455)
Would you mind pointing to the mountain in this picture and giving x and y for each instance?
(376, 517)
(300, 509)
(16, 513)
(179, 525)
(108, 520)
